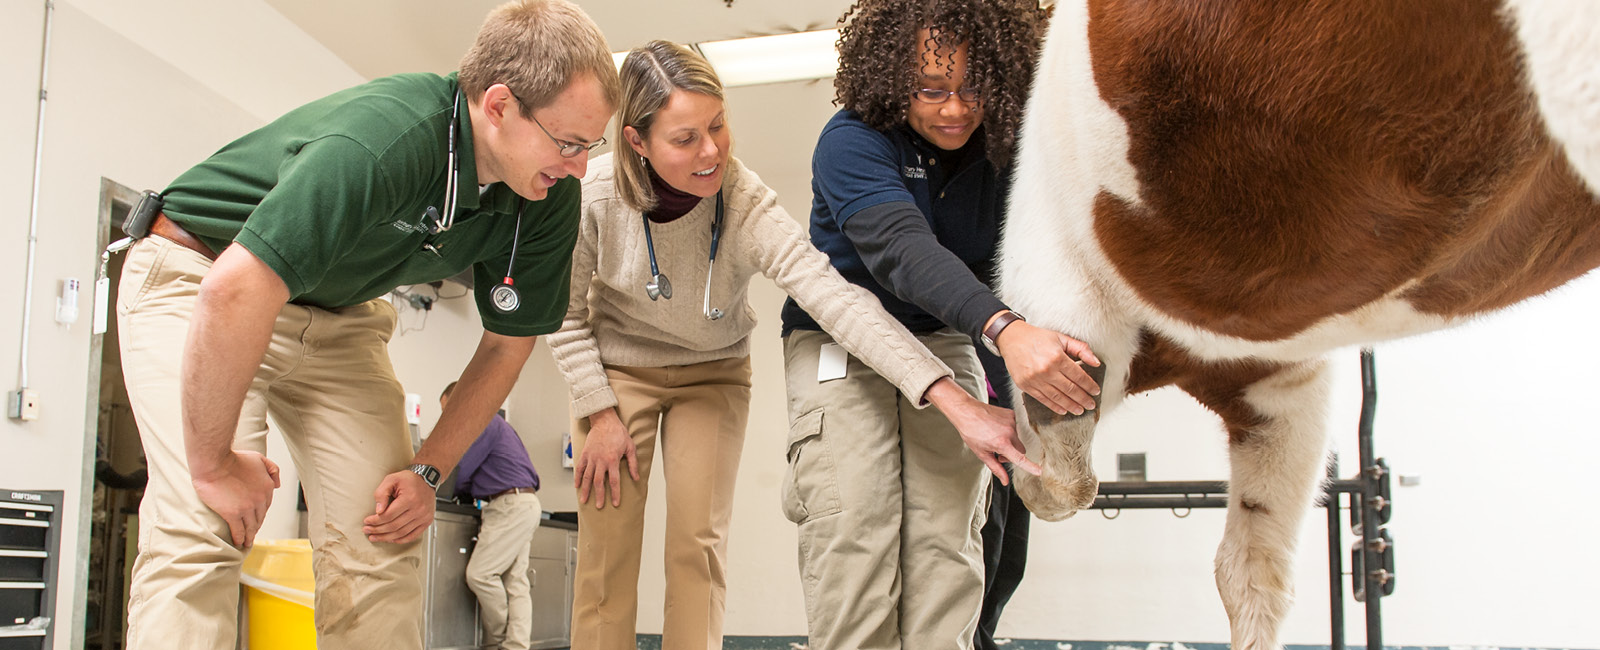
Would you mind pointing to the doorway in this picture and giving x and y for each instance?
(113, 448)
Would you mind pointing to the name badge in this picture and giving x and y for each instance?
(831, 361)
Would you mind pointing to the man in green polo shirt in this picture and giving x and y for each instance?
(316, 217)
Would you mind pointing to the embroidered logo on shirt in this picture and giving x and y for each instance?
(401, 225)
(914, 172)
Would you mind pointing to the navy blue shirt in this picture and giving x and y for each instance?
(856, 167)
(495, 462)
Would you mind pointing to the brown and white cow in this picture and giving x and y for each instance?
(1214, 195)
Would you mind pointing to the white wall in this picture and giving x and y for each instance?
(116, 110)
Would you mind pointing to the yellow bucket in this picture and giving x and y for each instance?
(279, 592)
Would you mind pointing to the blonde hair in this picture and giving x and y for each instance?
(536, 48)
(649, 75)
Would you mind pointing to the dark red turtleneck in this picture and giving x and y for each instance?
(670, 203)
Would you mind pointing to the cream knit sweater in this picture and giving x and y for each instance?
(611, 321)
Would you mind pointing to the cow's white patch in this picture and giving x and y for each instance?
(1073, 146)
(1380, 320)
(1560, 46)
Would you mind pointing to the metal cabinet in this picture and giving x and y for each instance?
(551, 560)
(30, 537)
(450, 618)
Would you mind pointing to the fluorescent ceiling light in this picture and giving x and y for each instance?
(770, 59)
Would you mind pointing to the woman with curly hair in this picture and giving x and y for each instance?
(909, 183)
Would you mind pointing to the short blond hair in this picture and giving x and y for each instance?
(536, 48)
(649, 75)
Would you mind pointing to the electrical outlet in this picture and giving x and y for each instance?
(23, 404)
(30, 405)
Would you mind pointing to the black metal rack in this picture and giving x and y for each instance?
(1366, 497)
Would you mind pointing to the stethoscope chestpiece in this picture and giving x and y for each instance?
(505, 297)
(658, 287)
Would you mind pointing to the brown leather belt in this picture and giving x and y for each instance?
(525, 490)
(171, 231)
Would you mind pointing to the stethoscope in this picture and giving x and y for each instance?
(660, 287)
(504, 295)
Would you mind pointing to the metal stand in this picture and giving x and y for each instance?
(1371, 556)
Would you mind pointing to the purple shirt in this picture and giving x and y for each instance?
(495, 462)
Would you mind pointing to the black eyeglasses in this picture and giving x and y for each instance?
(568, 149)
(935, 96)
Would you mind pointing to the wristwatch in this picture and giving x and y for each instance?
(429, 474)
(992, 332)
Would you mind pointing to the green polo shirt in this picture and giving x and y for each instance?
(332, 194)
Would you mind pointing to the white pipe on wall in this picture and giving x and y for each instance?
(33, 210)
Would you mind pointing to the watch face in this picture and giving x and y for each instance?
(429, 474)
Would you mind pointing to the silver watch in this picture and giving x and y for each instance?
(429, 474)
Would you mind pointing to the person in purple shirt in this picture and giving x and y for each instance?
(496, 470)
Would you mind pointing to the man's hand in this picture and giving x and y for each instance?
(598, 464)
(405, 509)
(239, 489)
(1042, 364)
(989, 431)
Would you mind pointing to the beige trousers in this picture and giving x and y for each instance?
(889, 504)
(498, 570)
(699, 413)
(327, 383)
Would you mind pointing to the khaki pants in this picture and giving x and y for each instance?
(699, 412)
(889, 502)
(327, 383)
(498, 570)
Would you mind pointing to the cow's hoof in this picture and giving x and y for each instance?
(1054, 500)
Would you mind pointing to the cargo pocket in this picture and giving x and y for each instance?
(810, 485)
(980, 517)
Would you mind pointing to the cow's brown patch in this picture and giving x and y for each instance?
(1300, 160)
(1217, 385)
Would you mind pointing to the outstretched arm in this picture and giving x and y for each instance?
(903, 254)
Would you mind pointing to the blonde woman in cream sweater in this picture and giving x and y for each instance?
(646, 357)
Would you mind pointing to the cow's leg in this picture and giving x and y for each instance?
(1277, 451)
(1061, 444)
(1072, 150)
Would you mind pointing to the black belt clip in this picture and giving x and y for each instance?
(137, 223)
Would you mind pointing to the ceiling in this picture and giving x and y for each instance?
(384, 37)
(775, 125)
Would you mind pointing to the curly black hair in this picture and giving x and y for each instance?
(879, 57)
